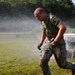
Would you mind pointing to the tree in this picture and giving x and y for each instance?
(65, 7)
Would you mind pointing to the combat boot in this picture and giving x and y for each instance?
(73, 70)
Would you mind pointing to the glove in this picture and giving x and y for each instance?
(39, 46)
(53, 43)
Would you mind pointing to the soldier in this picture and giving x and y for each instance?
(53, 29)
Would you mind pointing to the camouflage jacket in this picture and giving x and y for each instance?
(50, 26)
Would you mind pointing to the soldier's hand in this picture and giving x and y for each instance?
(39, 46)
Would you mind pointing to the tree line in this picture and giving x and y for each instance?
(20, 7)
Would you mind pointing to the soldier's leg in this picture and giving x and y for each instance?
(44, 61)
(60, 54)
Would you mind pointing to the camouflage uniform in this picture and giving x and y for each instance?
(59, 50)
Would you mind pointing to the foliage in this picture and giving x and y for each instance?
(18, 7)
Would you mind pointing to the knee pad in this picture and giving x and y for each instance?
(43, 63)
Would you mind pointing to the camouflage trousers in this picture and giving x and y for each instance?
(60, 55)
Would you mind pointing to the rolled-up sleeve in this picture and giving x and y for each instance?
(54, 20)
(43, 26)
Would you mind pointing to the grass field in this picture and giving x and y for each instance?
(21, 57)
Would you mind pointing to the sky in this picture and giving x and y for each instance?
(73, 1)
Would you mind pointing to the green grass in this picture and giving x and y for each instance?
(16, 57)
(20, 57)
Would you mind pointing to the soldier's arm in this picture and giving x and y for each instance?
(61, 31)
(56, 22)
(43, 36)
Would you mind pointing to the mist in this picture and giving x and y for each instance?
(24, 28)
(22, 24)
